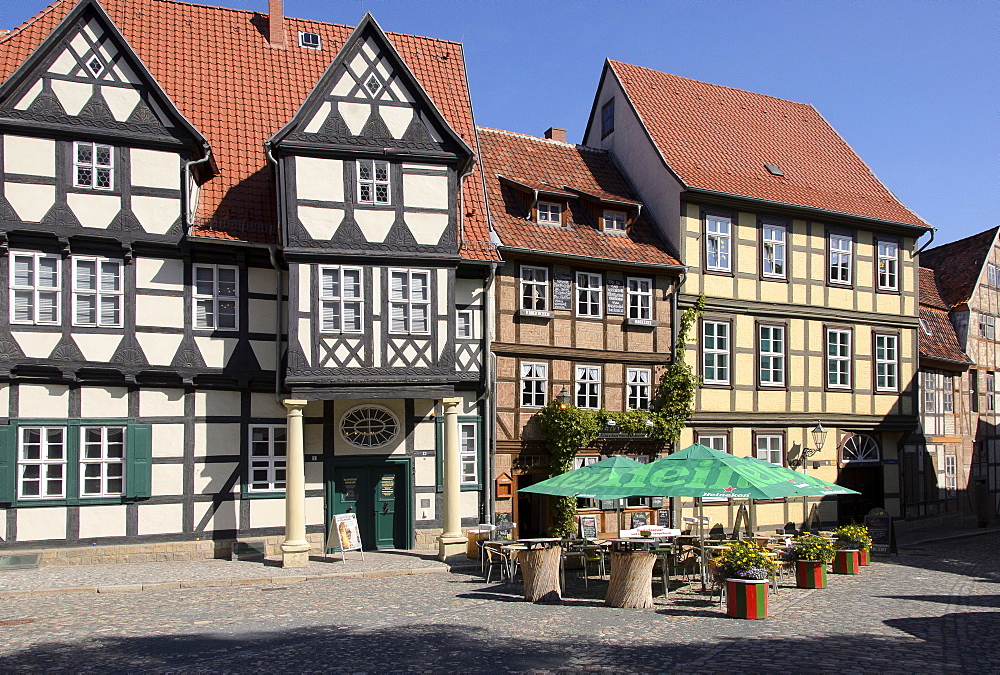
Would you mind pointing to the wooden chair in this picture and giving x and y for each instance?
(718, 580)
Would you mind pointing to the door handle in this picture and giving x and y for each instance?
(385, 507)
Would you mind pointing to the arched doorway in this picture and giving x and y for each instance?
(860, 469)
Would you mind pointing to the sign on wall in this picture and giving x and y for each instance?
(588, 527)
(562, 291)
(616, 296)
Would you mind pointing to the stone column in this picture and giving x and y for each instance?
(295, 548)
(451, 542)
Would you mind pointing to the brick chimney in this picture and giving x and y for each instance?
(276, 24)
(556, 134)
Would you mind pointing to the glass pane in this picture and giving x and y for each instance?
(381, 171)
(227, 314)
(365, 170)
(116, 486)
(103, 155)
(91, 470)
(24, 270)
(419, 290)
(110, 310)
(48, 273)
(86, 275)
(110, 276)
(204, 316)
(103, 178)
(48, 307)
(227, 282)
(84, 153)
(382, 194)
(330, 284)
(420, 323)
(84, 176)
(204, 280)
(24, 307)
(352, 316)
(86, 309)
(352, 284)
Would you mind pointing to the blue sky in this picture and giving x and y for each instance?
(913, 86)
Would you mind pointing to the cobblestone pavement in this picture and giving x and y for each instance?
(933, 609)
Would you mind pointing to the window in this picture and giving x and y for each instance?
(608, 118)
(41, 462)
(715, 352)
(95, 66)
(469, 434)
(93, 166)
(637, 383)
(549, 213)
(774, 251)
(974, 390)
(991, 391)
(886, 362)
(410, 301)
(310, 40)
(588, 294)
(838, 358)
(770, 448)
(950, 474)
(588, 387)
(841, 249)
(267, 458)
(771, 349)
(640, 298)
(102, 461)
(469, 452)
(987, 327)
(373, 182)
(586, 460)
(369, 426)
(534, 288)
(463, 324)
(715, 441)
(888, 265)
(35, 296)
(614, 221)
(992, 275)
(930, 386)
(859, 448)
(341, 299)
(534, 382)
(97, 292)
(717, 235)
(948, 404)
(215, 295)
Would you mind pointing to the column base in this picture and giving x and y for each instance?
(295, 555)
(452, 548)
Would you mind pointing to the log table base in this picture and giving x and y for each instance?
(631, 582)
(540, 569)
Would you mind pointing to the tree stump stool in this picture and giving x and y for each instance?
(631, 582)
(540, 570)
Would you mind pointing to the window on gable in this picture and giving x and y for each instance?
(95, 66)
(373, 182)
(266, 464)
(607, 118)
(93, 166)
(926, 326)
(717, 240)
(341, 299)
(841, 259)
(640, 298)
(589, 291)
(588, 387)
(992, 275)
(373, 84)
(549, 213)
(886, 362)
(715, 352)
(35, 296)
(838, 358)
(534, 383)
(614, 221)
(216, 292)
(771, 352)
(97, 292)
(310, 40)
(410, 301)
(534, 288)
(888, 266)
(987, 327)
(774, 251)
(637, 392)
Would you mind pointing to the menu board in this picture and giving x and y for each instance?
(879, 524)
(562, 291)
(344, 534)
(639, 519)
(663, 517)
(588, 527)
(616, 296)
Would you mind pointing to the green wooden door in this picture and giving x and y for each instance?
(388, 513)
(378, 494)
(352, 494)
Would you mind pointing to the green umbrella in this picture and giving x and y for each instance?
(601, 480)
(804, 484)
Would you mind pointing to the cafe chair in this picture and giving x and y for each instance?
(718, 581)
(572, 550)
(496, 560)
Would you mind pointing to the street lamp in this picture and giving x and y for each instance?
(819, 439)
(563, 398)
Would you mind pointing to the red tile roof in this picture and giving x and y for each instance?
(958, 265)
(942, 343)
(564, 167)
(930, 296)
(217, 67)
(718, 138)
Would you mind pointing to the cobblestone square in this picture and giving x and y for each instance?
(932, 609)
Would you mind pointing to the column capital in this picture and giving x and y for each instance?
(451, 404)
(295, 403)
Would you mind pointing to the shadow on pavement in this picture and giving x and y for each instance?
(970, 600)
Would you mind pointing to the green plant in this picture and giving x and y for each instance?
(566, 428)
(678, 385)
(853, 537)
(813, 547)
(746, 560)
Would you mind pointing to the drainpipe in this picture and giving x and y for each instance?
(272, 250)
(489, 376)
(188, 210)
(930, 241)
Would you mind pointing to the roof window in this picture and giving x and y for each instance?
(774, 170)
(926, 326)
(310, 40)
(95, 66)
(373, 84)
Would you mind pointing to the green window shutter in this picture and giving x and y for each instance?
(8, 464)
(438, 450)
(138, 473)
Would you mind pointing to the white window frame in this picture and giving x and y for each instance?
(613, 221)
(215, 299)
(340, 301)
(587, 385)
(992, 275)
(98, 293)
(33, 289)
(771, 360)
(841, 264)
(773, 253)
(770, 448)
(93, 166)
(839, 364)
(888, 265)
(407, 303)
(951, 474)
(718, 243)
(589, 295)
(273, 461)
(373, 182)
(534, 384)
(886, 362)
(715, 359)
(464, 327)
(47, 466)
(105, 464)
(310, 43)
(468, 440)
(549, 213)
(637, 388)
(948, 402)
(987, 327)
(535, 286)
(640, 298)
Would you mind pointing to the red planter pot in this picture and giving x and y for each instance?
(845, 562)
(746, 599)
(864, 557)
(810, 574)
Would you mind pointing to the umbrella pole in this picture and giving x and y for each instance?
(805, 512)
(701, 540)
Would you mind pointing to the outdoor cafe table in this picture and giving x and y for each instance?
(540, 569)
(631, 583)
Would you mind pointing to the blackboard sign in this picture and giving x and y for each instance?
(663, 517)
(562, 291)
(588, 527)
(616, 296)
(639, 519)
(879, 524)
(503, 525)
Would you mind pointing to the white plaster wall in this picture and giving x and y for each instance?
(209, 479)
(375, 225)
(94, 210)
(470, 504)
(158, 310)
(30, 156)
(216, 403)
(262, 316)
(168, 479)
(216, 439)
(314, 475)
(427, 228)
(30, 202)
(263, 350)
(426, 192)
(319, 179)
(315, 511)
(36, 345)
(72, 95)
(163, 274)
(267, 513)
(161, 402)
(261, 280)
(156, 169)
(168, 440)
(4, 400)
(3, 523)
(321, 223)
(102, 521)
(225, 517)
(41, 523)
(159, 348)
(103, 402)
(421, 512)
(425, 471)
(96, 346)
(312, 439)
(156, 214)
(424, 434)
(160, 518)
(216, 352)
(264, 405)
(468, 292)
(121, 101)
(43, 400)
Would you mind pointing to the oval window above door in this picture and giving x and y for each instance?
(859, 448)
(369, 426)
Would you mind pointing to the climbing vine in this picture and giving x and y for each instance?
(677, 386)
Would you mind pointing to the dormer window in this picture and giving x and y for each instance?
(614, 221)
(310, 40)
(549, 213)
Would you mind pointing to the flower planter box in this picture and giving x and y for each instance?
(746, 598)
(845, 562)
(864, 557)
(810, 574)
